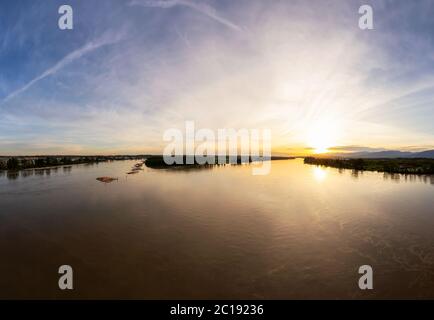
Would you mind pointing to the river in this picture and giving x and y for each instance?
(300, 232)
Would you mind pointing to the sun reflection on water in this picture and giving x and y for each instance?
(319, 173)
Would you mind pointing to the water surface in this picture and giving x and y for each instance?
(300, 232)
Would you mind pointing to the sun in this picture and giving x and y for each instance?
(320, 144)
(320, 150)
(322, 137)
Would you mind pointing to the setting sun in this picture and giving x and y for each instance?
(320, 150)
(322, 137)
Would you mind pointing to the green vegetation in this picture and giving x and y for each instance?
(399, 165)
(12, 164)
(157, 162)
(21, 163)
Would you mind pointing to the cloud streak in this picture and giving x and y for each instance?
(200, 7)
(68, 59)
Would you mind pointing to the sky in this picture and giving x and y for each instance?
(129, 70)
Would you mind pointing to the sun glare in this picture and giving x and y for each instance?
(322, 137)
(320, 150)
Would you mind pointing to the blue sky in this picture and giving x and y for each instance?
(131, 69)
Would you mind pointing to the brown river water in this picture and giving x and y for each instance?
(300, 232)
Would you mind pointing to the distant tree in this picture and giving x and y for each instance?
(13, 164)
(39, 163)
(359, 164)
(25, 163)
(66, 160)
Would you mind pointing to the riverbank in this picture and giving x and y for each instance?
(157, 162)
(399, 165)
(46, 162)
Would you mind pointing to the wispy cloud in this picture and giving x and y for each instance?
(198, 6)
(73, 56)
(355, 90)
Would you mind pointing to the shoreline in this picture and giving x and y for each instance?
(415, 166)
(16, 164)
(157, 162)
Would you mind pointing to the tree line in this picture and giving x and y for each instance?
(401, 165)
